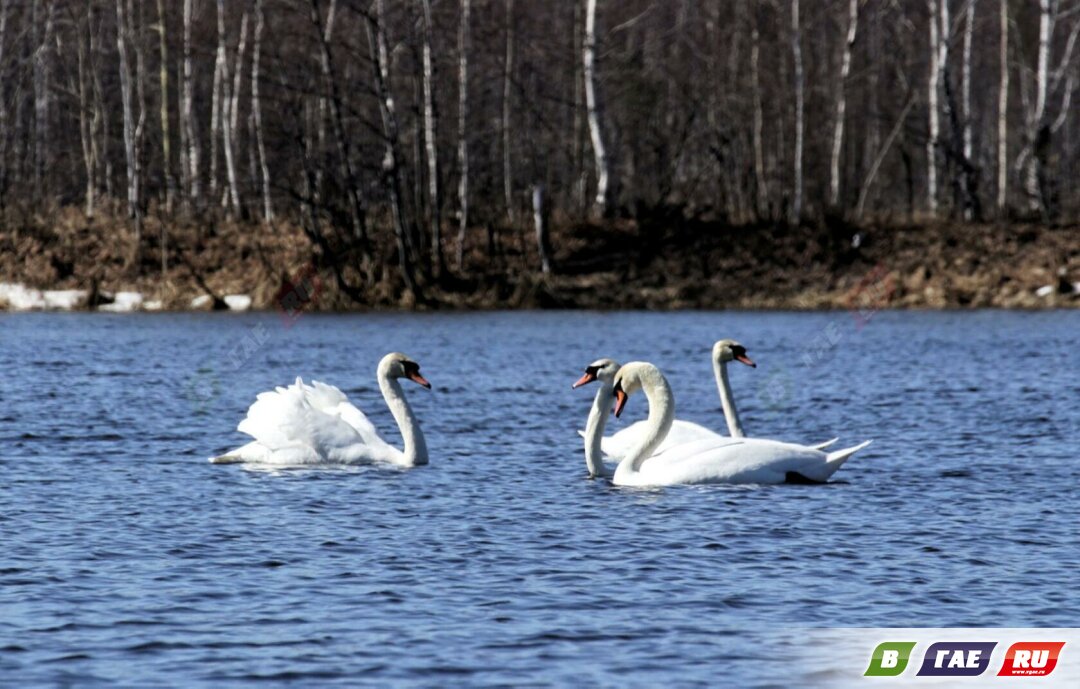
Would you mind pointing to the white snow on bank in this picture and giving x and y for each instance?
(238, 302)
(22, 298)
(235, 302)
(123, 302)
(18, 297)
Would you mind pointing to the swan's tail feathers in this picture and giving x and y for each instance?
(227, 459)
(252, 452)
(837, 459)
(827, 443)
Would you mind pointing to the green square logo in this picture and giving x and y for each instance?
(890, 659)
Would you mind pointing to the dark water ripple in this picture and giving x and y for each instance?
(129, 560)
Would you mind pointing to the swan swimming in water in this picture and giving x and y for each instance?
(316, 424)
(618, 444)
(729, 460)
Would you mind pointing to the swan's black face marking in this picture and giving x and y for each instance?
(412, 372)
(590, 376)
(620, 398)
(738, 353)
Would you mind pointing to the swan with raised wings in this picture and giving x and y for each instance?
(316, 424)
(729, 460)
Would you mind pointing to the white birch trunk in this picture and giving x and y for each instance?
(841, 103)
(4, 6)
(800, 124)
(256, 112)
(166, 134)
(508, 70)
(759, 123)
(86, 134)
(381, 60)
(327, 36)
(1003, 110)
(216, 101)
(1038, 116)
(231, 115)
(463, 128)
(431, 144)
(933, 89)
(187, 110)
(595, 113)
(135, 38)
(965, 76)
(348, 174)
(126, 105)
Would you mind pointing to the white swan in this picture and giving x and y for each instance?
(724, 351)
(316, 424)
(730, 460)
(597, 447)
(621, 442)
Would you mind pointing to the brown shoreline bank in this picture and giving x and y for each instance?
(653, 263)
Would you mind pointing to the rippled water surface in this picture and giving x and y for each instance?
(127, 558)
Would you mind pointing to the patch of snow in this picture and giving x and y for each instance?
(201, 301)
(1044, 291)
(123, 302)
(22, 298)
(19, 298)
(238, 302)
(63, 299)
(154, 305)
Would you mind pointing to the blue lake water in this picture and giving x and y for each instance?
(128, 559)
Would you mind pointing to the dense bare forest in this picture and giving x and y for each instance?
(402, 138)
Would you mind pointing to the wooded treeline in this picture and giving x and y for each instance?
(402, 128)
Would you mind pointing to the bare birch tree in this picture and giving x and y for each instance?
(256, 111)
(230, 111)
(123, 39)
(380, 59)
(326, 64)
(508, 72)
(188, 124)
(933, 89)
(603, 203)
(800, 123)
(463, 130)
(841, 103)
(166, 137)
(760, 183)
(1003, 109)
(5, 6)
(431, 143)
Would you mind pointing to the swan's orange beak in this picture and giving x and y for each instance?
(419, 379)
(584, 380)
(743, 359)
(620, 402)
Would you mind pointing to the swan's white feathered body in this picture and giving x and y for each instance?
(309, 424)
(737, 460)
(616, 446)
(728, 460)
(317, 424)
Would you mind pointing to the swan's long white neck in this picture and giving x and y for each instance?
(415, 451)
(594, 430)
(731, 414)
(661, 416)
